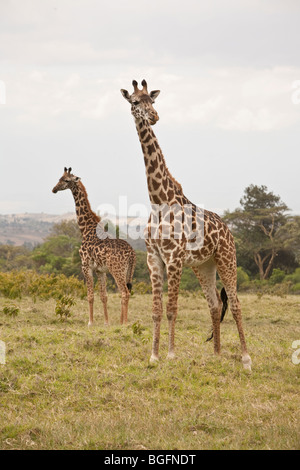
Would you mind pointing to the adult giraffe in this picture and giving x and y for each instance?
(196, 238)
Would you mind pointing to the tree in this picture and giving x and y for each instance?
(258, 226)
(69, 228)
(290, 236)
(60, 251)
(15, 257)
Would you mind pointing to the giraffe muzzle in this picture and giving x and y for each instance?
(153, 119)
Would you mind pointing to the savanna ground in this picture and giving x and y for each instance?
(65, 386)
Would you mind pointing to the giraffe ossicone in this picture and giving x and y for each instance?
(215, 253)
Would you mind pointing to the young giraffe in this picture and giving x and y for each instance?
(99, 252)
(214, 250)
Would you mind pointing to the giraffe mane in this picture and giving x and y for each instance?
(94, 215)
(177, 185)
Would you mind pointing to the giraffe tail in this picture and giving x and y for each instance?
(130, 271)
(224, 299)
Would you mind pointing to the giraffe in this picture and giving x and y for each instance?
(99, 252)
(196, 238)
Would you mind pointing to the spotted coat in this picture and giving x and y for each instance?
(199, 239)
(99, 252)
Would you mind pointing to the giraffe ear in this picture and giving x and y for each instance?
(154, 94)
(126, 95)
(77, 179)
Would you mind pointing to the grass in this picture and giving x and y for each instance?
(65, 386)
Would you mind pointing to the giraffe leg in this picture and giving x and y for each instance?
(206, 275)
(103, 294)
(174, 276)
(88, 275)
(228, 277)
(124, 305)
(121, 282)
(237, 315)
(156, 270)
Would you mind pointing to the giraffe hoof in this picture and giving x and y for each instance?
(90, 324)
(246, 360)
(171, 355)
(154, 359)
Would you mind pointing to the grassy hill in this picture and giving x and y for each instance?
(28, 229)
(32, 229)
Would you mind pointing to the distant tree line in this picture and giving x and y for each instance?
(267, 240)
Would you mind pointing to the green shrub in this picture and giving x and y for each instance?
(242, 278)
(63, 305)
(11, 310)
(189, 280)
(277, 276)
(137, 328)
(296, 288)
(12, 284)
(295, 277)
(142, 288)
(16, 284)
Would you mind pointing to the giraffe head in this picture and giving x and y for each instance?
(67, 181)
(141, 102)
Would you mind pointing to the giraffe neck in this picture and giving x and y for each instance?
(162, 187)
(86, 218)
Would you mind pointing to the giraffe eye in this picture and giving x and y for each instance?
(135, 103)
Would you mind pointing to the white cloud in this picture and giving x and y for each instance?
(241, 99)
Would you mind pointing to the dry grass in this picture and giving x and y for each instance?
(65, 386)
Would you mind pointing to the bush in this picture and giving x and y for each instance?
(242, 278)
(189, 280)
(63, 305)
(11, 310)
(142, 288)
(296, 288)
(16, 284)
(12, 284)
(295, 277)
(277, 276)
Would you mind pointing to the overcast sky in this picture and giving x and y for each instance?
(229, 75)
